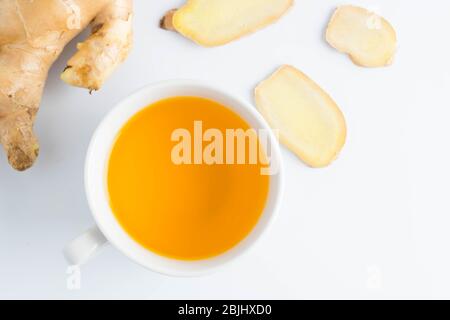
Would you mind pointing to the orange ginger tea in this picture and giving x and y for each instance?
(185, 211)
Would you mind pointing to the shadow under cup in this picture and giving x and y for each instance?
(97, 166)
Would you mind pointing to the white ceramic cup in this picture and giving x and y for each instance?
(108, 230)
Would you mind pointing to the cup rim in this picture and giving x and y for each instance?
(121, 240)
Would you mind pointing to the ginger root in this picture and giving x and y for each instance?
(367, 38)
(32, 36)
(309, 122)
(217, 22)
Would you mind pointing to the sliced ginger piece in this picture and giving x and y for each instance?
(218, 22)
(309, 122)
(367, 38)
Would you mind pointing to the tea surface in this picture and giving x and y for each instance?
(187, 211)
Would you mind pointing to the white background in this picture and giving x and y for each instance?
(375, 224)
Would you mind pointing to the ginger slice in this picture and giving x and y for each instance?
(218, 22)
(367, 38)
(309, 122)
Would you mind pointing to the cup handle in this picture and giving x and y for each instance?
(82, 249)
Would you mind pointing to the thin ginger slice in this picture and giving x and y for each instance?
(367, 38)
(308, 121)
(218, 22)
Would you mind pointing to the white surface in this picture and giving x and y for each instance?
(373, 225)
